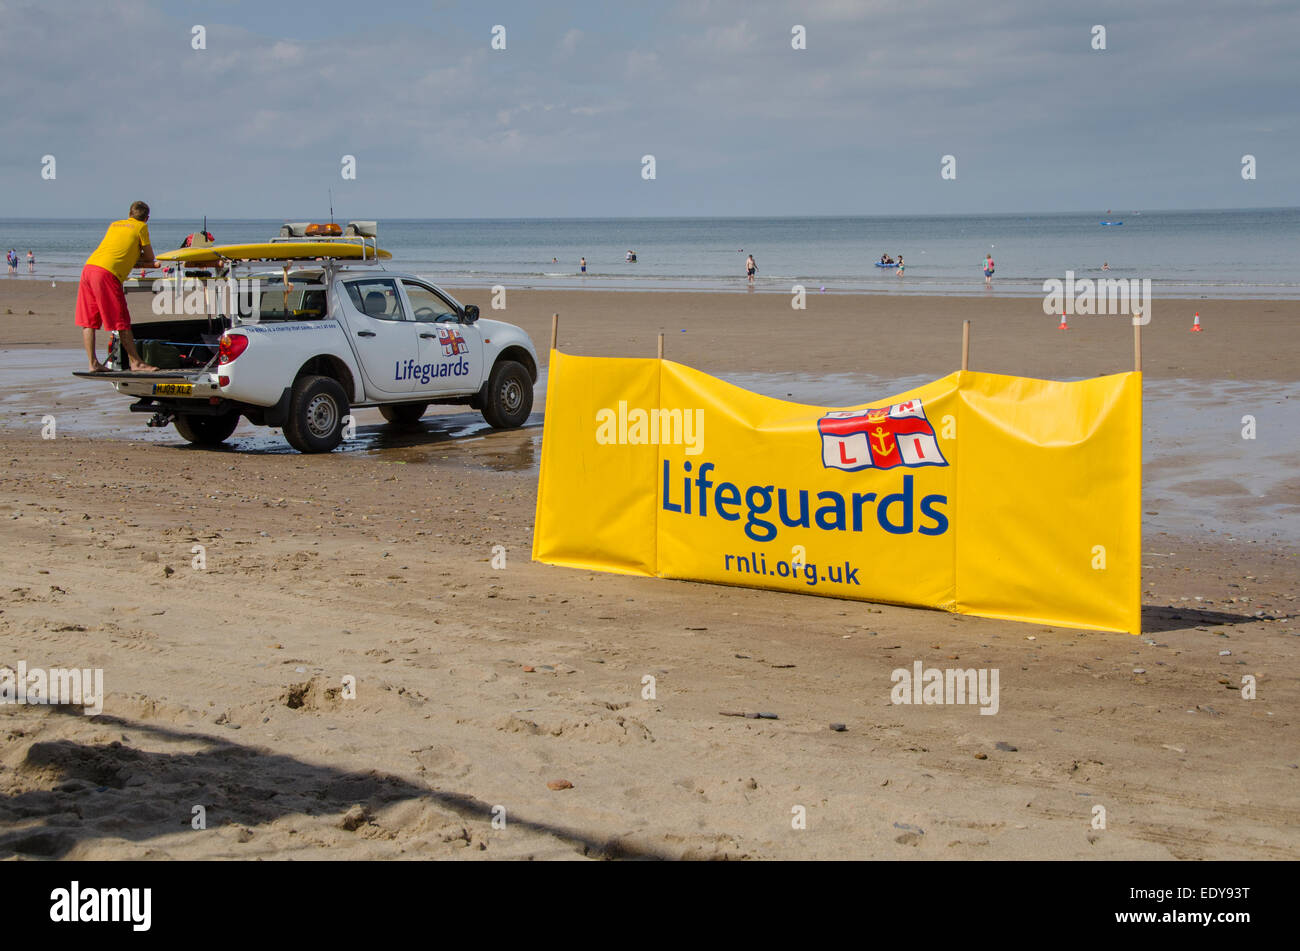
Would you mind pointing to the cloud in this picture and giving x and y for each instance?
(569, 42)
(714, 89)
(641, 65)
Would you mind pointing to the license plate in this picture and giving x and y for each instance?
(173, 389)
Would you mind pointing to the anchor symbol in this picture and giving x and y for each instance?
(881, 437)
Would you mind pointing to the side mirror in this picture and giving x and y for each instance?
(471, 313)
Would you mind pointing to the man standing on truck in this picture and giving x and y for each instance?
(100, 298)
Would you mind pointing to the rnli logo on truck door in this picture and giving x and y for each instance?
(452, 342)
(879, 437)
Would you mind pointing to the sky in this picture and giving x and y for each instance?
(257, 122)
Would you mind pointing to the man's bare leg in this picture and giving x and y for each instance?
(88, 338)
(128, 344)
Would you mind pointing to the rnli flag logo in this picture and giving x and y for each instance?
(452, 342)
(879, 438)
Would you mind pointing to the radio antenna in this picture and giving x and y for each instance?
(331, 206)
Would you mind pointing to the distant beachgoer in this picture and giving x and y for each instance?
(988, 268)
(12, 259)
(583, 264)
(100, 299)
(31, 262)
(900, 265)
(555, 260)
(1105, 265)
(751, 268)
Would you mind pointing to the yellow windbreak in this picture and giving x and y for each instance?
(977, 493)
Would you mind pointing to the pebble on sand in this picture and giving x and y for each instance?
(557, 784)
(354, 818)
(1006, 747)
(839, 727)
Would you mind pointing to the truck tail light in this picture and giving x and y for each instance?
(231, 347)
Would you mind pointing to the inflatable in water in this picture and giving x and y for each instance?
(894, 264)
(1111, 222)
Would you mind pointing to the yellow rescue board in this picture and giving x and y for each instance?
(271, 251)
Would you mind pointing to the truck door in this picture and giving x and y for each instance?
(383, 335)
(453, 349)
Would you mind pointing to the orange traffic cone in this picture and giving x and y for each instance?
(1064, 325)
(1196, 323)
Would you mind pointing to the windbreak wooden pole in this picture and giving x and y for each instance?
(661, 346)
(1137, 347)
(555, 329)
(965, 344)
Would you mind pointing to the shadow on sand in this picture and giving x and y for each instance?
(115, 790)
(1157, 619)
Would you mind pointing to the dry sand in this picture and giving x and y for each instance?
(223, 684)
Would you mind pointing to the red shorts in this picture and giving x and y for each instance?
(101, 300)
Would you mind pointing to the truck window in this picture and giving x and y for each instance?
(301, 303)
(428, 304)
(376, 298)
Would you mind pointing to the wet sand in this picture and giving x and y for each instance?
(837, 333)
(224, 683)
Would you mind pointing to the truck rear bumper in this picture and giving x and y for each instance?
(204, 407)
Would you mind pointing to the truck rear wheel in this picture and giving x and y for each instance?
(317, 407)
(509, 395)
(206, 430)
(405, 413)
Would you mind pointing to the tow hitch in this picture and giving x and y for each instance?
(158, 420)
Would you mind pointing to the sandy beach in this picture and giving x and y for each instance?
(476, 686)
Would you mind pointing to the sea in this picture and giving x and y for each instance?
(1248, 253)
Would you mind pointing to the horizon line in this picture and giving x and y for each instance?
(987, 214)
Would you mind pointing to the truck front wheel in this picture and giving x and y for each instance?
(206, 430)
(317, 408)
(509, 396)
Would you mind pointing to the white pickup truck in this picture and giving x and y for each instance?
(309, 345)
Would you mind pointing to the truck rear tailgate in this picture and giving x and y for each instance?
(191, 384)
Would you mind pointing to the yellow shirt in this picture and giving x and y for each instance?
(121, 247)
